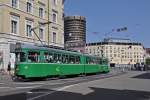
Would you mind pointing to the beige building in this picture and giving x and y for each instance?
(17, 17)
(118, 51)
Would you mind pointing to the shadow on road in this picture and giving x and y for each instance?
(98, 94)
(143, 76)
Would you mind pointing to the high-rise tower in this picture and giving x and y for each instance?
(75, 32)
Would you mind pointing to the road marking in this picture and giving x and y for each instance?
(26, 87)
(47, 83)
(1, 83)
(29, 83)
(4, 87)
(29, 92)
(66, 87)
(56, 90)
(55, 83)
(43, 95)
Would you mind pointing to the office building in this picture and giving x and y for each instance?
(75, 32)
(118, 51)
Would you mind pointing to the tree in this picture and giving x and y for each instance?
(147, 61)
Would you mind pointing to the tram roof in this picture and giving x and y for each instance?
(38, 47)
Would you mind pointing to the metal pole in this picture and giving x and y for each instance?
(37, 37)
(48, 24)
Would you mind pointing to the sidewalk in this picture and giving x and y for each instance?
(4, 76)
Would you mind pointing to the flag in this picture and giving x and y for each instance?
(122, 29)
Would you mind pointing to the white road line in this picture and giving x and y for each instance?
(26, 87)
(29, 83)
(43, 95)
(2, 83)
(66, 87)
(4, 87)
(56, 90)
(56, 83)
(47, 83)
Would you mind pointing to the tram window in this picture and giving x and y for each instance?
(51, 58)
(101, 61)
(87, 60)
(90, 60)
(20, 57)
(72, 59)
(105, 61)
(96, 61)
(77, 60)
(64, 58)
(48, 57)
(33, 57)
(57, 58)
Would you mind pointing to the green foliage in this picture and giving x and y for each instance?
(147, 61)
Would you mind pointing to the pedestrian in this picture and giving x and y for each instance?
(9, 68)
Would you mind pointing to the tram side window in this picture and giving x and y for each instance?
(48, 57)
(65, 58)
(20, 57)
(96, 61)
(105, 61)
(89, 60)
(33, 57)
(92, 60)
(57, 58)
(51, 58)
(72, 59)
(77, 60)
(101, 61)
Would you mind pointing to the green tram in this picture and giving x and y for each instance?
(41, 62)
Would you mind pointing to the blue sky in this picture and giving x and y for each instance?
(104, 15)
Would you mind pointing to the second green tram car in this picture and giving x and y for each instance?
(40, 62)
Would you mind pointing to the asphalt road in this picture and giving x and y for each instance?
(112, 86)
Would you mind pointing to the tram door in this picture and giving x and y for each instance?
(12, 60)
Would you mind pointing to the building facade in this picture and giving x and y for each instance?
(118, 51)
(147, 52)
(75, 32)
(18, 17)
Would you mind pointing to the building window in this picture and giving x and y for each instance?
(14, 24)
(41, 12)
(54, 2)
(41, 33)
(15, 3)
(63, 2)
(54, 37)
(29, 25)
(29, 6)
(54, 17)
